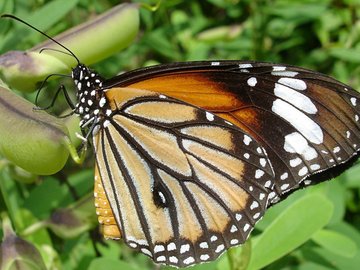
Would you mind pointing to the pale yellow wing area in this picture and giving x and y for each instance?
(183, 185)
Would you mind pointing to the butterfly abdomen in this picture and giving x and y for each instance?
(108, 224)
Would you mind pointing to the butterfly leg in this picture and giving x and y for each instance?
(68, 100)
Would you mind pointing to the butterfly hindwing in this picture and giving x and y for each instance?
(183, 183)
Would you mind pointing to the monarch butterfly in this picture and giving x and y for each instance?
(190, 155)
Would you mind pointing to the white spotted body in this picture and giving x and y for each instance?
(91, 105)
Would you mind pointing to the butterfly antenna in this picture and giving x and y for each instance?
(41, 32)
(54, 50)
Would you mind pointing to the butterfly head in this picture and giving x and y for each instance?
(90, 96)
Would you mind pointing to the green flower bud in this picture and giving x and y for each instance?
(25, 70)
(99, 38)
(21, 175)
(16, 253)
(32, 139)
(220, 33)
(74, 220)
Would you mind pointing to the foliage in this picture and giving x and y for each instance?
(55, 213)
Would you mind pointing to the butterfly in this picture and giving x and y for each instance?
(189, 156)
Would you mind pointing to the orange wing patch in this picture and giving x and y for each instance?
(195, 88)
(199, 89)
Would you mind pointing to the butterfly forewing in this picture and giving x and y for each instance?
(306, 122)
(183, 183)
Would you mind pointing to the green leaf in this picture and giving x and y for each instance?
(51, 193)
(351, 55)
(313, 266)
(294, 226)
(44, 18)
(335, 242)
(108, 38)
(352, 177)
(51, 13)
(337, 261)
(109, 264)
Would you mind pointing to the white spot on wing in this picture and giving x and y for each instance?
(173, 259)
(234, 241)
(296, 143)
(184, 248)
(262, 162)
(353, 101)
(295, 162)
(284, 176)
(306, 126)
(314, 167)
(159, 248)
(304, 170)
(146, 251)
(284, 186)
(209, 116)
(279, 68)
(254, 205)
(171, 246)
(296, 84)
(204, 257)
(213, 238)
(233, 229)
(189, 260)
(219, 248)
(161, 259)
(259, 174)
(285, 73)
(247, 140)
(295, 98)
(247, 65)
(252, 81)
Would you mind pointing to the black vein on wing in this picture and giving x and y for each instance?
(132, 188)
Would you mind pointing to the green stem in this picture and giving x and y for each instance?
(33, 228)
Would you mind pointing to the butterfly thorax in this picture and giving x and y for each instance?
(91, 106)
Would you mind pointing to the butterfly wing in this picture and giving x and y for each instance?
(183, 184)
(307, 122)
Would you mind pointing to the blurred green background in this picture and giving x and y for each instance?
(55, 213)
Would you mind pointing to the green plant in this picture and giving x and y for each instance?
(55, 213)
